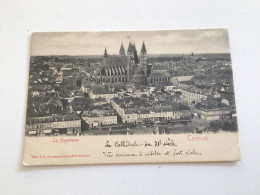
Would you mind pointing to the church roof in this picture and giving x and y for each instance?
(115, 61)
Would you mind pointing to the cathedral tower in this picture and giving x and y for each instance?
(143, 58)
(130, 53)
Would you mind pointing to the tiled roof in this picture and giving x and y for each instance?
(211, 106)
(177, 107)
(146, 110)
(99, 99)
(102, 90)
(98, 113)
(196, 90)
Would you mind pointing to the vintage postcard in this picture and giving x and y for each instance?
(130, 97)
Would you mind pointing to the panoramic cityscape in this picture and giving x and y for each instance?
(130, 93)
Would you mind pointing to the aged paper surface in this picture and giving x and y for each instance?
(130, 97)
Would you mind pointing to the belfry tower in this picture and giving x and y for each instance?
(143, 58)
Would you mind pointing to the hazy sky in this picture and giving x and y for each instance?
(157, 42)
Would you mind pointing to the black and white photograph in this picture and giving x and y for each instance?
(130, 83)
(129, 97)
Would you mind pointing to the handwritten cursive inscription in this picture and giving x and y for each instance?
(127, 143)
(158, 147)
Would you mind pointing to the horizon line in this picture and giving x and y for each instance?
(194, 53)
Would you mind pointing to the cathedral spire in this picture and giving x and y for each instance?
(122, 51)
(143, 48)
(105, 53)
(143, 58)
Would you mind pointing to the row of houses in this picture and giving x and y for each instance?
(97, 118)
(212, 112)
(193, 95)
(134, 112)
(56, 124)
(71, 124)
(208, 105)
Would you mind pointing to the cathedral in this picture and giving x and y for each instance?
(127, 67)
